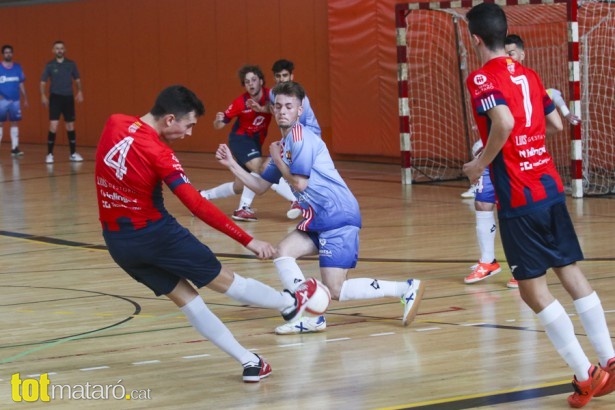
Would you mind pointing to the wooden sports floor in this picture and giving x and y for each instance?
(71, 318)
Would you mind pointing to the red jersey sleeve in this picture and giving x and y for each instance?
(210, 214)
(235, 109)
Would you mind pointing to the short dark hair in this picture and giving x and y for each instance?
(177, 100)
(282, 65)
(488, 21)
(58, 42)
(4, 47)
(514, 39)
(249, 68)
(289, 88)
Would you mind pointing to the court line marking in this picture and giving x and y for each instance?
(195, 356)
(437, 404)
(90, 369)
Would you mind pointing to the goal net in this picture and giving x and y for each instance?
(436, 56)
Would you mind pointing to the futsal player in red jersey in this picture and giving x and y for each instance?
(514, 114)
(245, 141)
(133, 159)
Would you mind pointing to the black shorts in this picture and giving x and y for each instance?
(541, 240)
(163, 255)
(61, 104)
(244, 148)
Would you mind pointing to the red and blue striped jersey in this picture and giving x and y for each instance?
(249, 122)
(523, 172)
(132, 162)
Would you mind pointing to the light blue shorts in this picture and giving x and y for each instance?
(10, 108)
(337, 248)
(484, 189)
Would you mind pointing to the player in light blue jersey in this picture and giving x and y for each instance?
(331, 215)
(11, 84)
(282, 72)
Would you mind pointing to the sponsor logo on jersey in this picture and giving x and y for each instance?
(114, 196)
(530, 152)
(510, 65)
(520, 140)
(480, 79)
(526, 165)
(7, 79)
(134, 127)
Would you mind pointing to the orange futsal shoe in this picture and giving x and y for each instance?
(512, 283)
(584, 391)
(483, 271)
(610, 385)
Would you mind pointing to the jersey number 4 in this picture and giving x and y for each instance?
(116, 157)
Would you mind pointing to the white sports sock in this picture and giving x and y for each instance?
(560, 331)
(485, 233)
(247, 196)
(1, 131)
(289, 272)
(365, 288)
(221, 191)
(14, 137)
(255, 293)
(283, 189)
(212, 328)
(593, 320)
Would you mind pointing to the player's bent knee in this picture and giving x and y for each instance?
(334, 289)
(223, 281)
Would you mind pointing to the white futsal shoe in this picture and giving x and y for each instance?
(412, 300)
(304, 324)
(470, 193)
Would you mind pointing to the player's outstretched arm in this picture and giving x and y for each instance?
(298, 182)
(502, 123)
(210, 213)
(255, 106)
(554, 123)
(219, 121)
(264, 250)
(559, 102)
(214, 217)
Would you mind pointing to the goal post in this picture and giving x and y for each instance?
(570, 44)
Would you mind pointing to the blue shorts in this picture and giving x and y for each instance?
(11, 109)
(484, 189)
(541, 240)
(244, 148)
(337, 248)
(158, 256)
